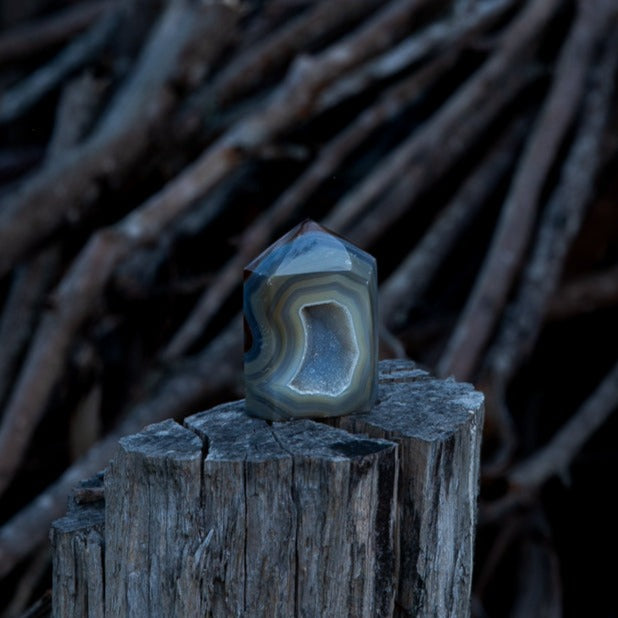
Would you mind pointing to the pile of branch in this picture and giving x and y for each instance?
(151, 149)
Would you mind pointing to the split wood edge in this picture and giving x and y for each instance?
(230, 514)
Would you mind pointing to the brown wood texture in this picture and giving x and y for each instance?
(234, 516)
(149, 150)
(78, 549)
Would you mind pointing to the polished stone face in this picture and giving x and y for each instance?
(310, 307)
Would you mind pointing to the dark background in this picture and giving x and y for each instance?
(142, 166)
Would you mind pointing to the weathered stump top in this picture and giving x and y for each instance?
(366, 514)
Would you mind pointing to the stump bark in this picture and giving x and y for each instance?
(367, 515)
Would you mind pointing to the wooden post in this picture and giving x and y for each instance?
(77, 541)
(234, 516)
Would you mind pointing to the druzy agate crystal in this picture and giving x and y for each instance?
(310, 308)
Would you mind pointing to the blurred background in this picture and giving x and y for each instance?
(149, 149)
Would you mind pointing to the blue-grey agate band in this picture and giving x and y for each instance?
(313, 334)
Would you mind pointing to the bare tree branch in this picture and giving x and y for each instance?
(432, 136)
(331, 157)
(557, 455)
(32, 37)
(560, 222)
(21, 97)
(58, 192)
(584, 294)
(404, 287)
(514, 229)
(181, 392)
(251, 67)
(453, 32)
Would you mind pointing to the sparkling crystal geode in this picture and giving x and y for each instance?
(311, 343)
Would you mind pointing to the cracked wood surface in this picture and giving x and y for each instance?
(234, 516)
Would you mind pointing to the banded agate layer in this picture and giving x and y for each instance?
(310, 307)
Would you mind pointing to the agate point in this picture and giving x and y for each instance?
(310, 308)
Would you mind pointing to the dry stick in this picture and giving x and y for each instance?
(517, 528)
(407, 283)
(75, 114)
(110, 152)
(33, 279)
(517, 219)
(41, 608)
(19, 99)
(254, 65)
(59, 191)
(461, 108)
(497, 510)
(78, 296)
(539, 588)
(28, 581)
(559, 225)
(389, 105)
(308, 77)
(214, 370)
(555, 457)
(181, 32)
(31, 283)
(433, 39)
(310, 74)
(584, 294)
(135, 277)
(80, 291)
(455, 136)
(250, 68)
(505, 538)
(260, 231)
(36, 36)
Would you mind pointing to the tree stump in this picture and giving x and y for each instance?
(367, 515)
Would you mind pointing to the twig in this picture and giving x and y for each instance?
(293, 100)
(505, 538)
(516, 222)
(32, 37)
(78, 296)
(183, 391)
(32, 280)
(539, 587)
(135, 277)
(85, 422)
(75, 114)
(559, 224)
(407, 283)
(28, 582)
(31, 283)
(258, 233)
(555, 457)
(584, 294)
(117, 149)
(211, 301)
(435, 134)
(253, 65)
(24, 95)
(41, 608)
(79, 293)
(452, 32)
(498, 509)
(58, 192)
